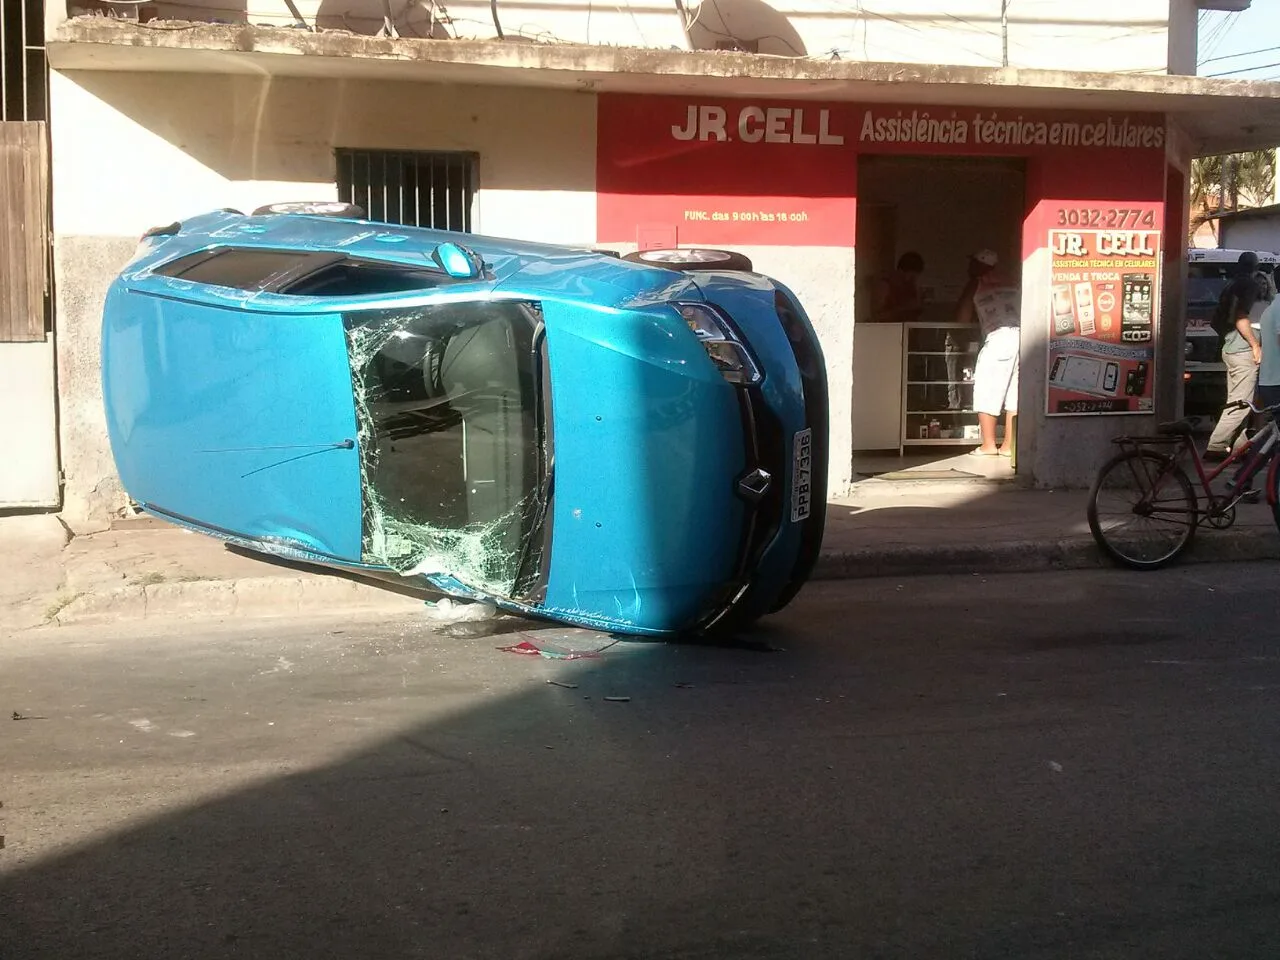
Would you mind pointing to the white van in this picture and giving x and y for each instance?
(1208, 271)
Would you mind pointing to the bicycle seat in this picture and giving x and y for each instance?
(1175, 428)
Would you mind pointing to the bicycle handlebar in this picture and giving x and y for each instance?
(1248, 404)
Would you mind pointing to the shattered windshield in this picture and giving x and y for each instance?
(454, 439)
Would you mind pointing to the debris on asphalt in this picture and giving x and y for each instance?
(524, 647)
(618, 699)
(449, 610)
(472, 629)
(561, 683)
(684, 686)
(557, 644)
(1055, 766)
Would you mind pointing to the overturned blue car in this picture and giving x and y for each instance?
(636, 445)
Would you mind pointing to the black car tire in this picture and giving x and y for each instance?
(692, 258)
(314, 208)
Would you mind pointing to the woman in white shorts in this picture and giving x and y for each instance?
(996, 307)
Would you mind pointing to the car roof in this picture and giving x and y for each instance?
(518, 267)
(364, 238)
(1219, 255)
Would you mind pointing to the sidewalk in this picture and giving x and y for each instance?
(146, 568)
(890, 528)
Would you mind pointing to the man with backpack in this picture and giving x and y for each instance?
(1241, 353)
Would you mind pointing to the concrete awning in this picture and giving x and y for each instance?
(1216, 115)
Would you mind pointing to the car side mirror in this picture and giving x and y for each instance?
(457, 261)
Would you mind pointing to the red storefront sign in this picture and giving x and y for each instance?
(708, 171)
(725, 173)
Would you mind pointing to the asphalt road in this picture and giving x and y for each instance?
(1076, 765)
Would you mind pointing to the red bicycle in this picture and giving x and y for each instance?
(1144, 509)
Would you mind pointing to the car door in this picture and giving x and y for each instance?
(231, 408)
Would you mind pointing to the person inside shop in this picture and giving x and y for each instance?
(897, 297)
(1241, 353)
(994, 304)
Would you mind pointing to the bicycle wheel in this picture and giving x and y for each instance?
(1272, 489)
(1142, 509)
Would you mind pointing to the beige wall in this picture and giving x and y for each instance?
(1102, 35)
(182, 144)
(187, 143)
(29, 465)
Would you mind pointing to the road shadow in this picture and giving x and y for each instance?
(898, 776)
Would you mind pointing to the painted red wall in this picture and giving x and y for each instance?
(732, 191)
(738, 172)
(1065, 191)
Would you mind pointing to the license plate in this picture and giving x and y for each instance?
(801, 475)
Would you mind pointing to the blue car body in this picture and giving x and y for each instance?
(564, 433)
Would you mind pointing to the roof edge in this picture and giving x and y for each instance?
(593, 59)
(1263, 211)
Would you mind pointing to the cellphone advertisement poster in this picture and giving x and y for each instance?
(1102, 329)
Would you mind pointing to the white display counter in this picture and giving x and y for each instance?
(913, 385)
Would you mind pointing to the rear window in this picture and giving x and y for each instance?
(239, 267)
(1206, 280)
(300, 273)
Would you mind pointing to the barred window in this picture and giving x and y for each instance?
(22, 60)
(414, 189)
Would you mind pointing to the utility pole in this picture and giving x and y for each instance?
(1004, 29)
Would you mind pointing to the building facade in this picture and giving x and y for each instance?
(820, 144)
(1256, 228)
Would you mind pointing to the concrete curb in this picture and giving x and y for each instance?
(1029, 556)
(301, 595)
(1012, 556)
(244, 597)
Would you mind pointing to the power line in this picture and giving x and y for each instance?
(1220, 31)
(1246, 53)
(1231, 73)
(1217, 33)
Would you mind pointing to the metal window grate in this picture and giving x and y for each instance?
(22, 60)
(415, 189)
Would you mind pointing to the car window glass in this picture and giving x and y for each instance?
(448, 397)
(241, 268)
(1205, 281)
(353, 278)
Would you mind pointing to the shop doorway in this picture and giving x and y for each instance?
(913, 415)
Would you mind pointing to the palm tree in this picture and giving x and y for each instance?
(1249, 177)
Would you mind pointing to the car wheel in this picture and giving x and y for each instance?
(313, 208)
(691, 258)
